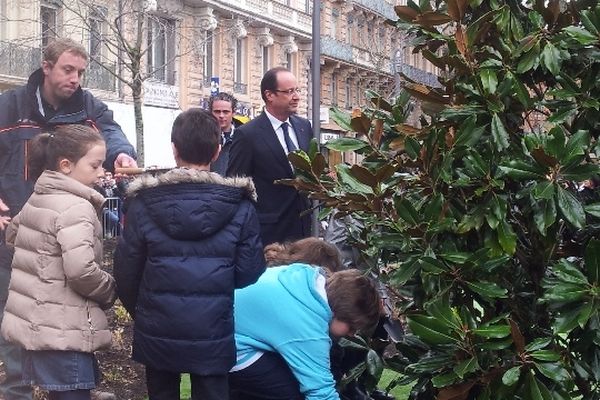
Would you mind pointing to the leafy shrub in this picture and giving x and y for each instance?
(479, 215)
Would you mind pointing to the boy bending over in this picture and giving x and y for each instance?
(283, 329)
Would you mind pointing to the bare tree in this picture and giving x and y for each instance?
(132, 41)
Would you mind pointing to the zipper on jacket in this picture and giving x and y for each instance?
(87, 308)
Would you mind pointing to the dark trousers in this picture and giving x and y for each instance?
(12, 386)
(164, 385)
(269, 377)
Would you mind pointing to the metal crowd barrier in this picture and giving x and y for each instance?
(111, 218)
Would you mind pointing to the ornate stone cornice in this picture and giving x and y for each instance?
(238, 30)
(289, 44)
(264, 37)
(206, 19)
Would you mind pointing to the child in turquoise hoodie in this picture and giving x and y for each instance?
(283, 328)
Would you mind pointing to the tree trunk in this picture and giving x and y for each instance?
(139, 121)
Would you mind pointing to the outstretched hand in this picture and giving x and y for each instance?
(125, 161)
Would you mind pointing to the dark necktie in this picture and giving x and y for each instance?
(226, 137)
(286, 136)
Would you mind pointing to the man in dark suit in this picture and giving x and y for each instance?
(260, 149)
(223, 106)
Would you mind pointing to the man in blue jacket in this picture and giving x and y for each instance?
(52, 96)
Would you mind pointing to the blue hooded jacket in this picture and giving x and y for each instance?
(286, 311)
(191, 237)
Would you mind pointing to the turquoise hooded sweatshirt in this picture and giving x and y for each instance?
(286, 311)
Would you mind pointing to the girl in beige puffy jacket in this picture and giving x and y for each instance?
(57, 290)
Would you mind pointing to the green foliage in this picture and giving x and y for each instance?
(476, 214)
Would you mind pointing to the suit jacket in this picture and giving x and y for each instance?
(257, 153)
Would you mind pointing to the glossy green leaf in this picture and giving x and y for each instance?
(499, 133)
(543, 190)
(551, 58)
(582, 35)
(522, 170)
(407, 211)
(493, 331)
(430, 330)
(487, 289)
(346, 144)
(405, 271)
(511, 376)
(544, 214)
(466, 367)
(538, 344)
(440, 310)
(443, 380)
(593, 209)
(489, 80)
(506, 237)
(374, 364)
(570, 207)
(545, 355)
(553, 371)
(565, 292)
(533, 388)
(346, 178)
(341, 118)
(592, 260)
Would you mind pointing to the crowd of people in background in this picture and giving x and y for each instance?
(191, 263)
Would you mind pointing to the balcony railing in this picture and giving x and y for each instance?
(336, 49)
(418, 75)
(241, 88)
(380, 7)
(18, 60)
(100, 76)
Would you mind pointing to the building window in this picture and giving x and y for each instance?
(96, 30)
(334, 89)
(266, 59)
(308, 6)
(239, 63)
(208, 58)
(161, 49)
(349, 23)
(290, 62)
(335, 14)
(348, 93)
(49, 21)
(358, 94)
(381, 44)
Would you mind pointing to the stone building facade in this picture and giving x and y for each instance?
(190, 48)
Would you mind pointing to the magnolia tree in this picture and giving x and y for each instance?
(484, 217)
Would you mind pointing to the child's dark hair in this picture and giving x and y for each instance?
(353, 299)
(310, 250)
(65, 141)
(196, 136)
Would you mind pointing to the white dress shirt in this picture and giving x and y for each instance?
(279, 132)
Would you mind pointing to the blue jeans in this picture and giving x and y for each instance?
(12, 387)
(60, 371)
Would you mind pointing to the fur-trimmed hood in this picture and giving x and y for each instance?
(186, 175)
(189, 204)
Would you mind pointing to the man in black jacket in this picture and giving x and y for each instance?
(51, 97)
